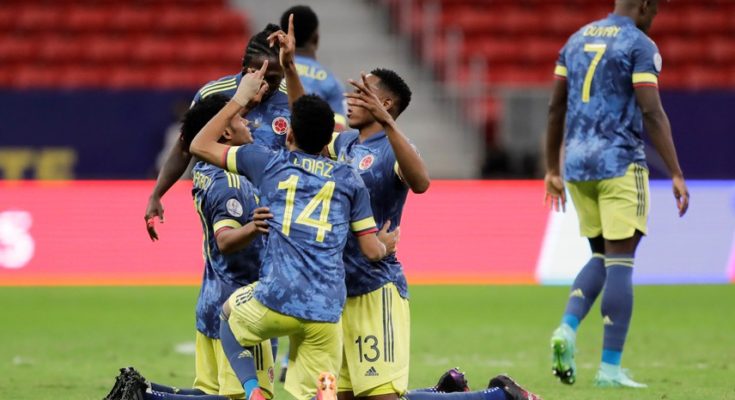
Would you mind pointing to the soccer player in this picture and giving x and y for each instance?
(232, 253)
(315, 203)
(607, 92)
(314, 77)
(376, 319)
(269, 117)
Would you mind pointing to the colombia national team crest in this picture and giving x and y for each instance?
(280, 125)
(366, 162)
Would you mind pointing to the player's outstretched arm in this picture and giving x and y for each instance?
(555, 194)
(174, 167)
(287, 53)
(205, 145)
(658, 127)
(411, 167)
(230, 240)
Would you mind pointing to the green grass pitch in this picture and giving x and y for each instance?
(67, 343)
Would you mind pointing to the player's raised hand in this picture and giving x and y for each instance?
(366, 98)
(153, 210)
(250, 85)
(556, 197)
(286, 43)
(681, 193)
(389, 239)
(261, 215)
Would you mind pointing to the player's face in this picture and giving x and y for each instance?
(358, 117)
(240, 131)
(273, 75)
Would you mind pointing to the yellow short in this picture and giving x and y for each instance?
(377, 335)
(314, 347)
(614, 208)
(215, 376)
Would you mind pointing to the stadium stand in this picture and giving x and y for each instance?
(118, 44)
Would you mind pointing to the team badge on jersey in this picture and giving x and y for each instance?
(366, 162)
(280, 125)
(234, 208)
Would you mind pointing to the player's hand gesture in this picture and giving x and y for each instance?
(366, 98)
(286, 43)
(261, 215)
(556, 197)
(250, 85)
(389, 239)
(681, 193)
(152, 211)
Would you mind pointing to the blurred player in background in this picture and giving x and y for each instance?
(314, 77)
(376, 319)
(607, 93)
(316, 202)
(232, 254)
(269, 118)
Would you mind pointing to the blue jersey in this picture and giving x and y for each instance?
(375, 161)
(316, 202)
(223, 200)
(602, 62)
(319, 81)
(269, 121)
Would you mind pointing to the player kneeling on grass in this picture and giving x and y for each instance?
(316, 203)
(232, 254)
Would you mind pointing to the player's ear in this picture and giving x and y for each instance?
(289, 136)
(388, 103)
(227, 134)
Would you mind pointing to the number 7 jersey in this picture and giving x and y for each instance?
(602, 63)
(315, 203)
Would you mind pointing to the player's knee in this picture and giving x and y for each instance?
(226, 311)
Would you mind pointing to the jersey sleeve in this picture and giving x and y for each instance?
(249, 161)
(361, 214)
(336, 100)
(647, 62)
(230, 203)
(560, 71)
(334, 146)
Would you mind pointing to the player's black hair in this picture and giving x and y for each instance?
(312, 121)
(258, 45)
(392, 82)
(305, 23)
(198, 116)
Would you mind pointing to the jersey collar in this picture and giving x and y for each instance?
(620, 19)
(374, 138)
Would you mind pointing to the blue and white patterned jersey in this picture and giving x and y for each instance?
(602, 63)
(320, 81)
(269, 121)
(222, 200)
(315, 202)
(375, 161)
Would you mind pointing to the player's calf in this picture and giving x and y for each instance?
(511, 388)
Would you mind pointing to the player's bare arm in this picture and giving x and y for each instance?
(411, 167)
(205, 145)
(175, 166)
(286, 56)
(371, 247)
(555, 195)
(389, 239)
(231, 240)
(658, 127)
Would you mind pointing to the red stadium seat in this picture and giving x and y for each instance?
(721, 50)
(35, 18)
(17, 49)
(154, 50)
(130, 78)
(181, 20)
(46, 76)
(87, 19)
(700, 77)
(57, 49)
(104, 50)
(132, 20)
(83, 77)
(679, 51)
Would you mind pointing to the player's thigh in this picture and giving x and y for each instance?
(252, 322)
(377, 336)
(624, 204)
(585, 198)
(229, 384)
(205, 365)
(317, 348)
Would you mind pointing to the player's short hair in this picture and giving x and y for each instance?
(392, 82)
(312, 121)
(196, 117)
(305, 23)
(258, 46)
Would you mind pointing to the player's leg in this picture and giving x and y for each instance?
(587, 284)
(229, 383)
(624, 210)
(315, 352)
